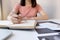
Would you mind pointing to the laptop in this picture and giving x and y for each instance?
(4, 34)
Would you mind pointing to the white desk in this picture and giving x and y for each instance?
(23, 35)
(4, 33)
(28, 35)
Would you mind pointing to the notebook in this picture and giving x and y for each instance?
(4, 34)
(26, 24)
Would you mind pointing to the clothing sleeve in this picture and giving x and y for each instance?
(39, 8)
(16, 7)
(14, 11)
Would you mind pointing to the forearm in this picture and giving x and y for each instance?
(36, 18)
(40, 18)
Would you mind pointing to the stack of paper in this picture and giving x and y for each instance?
(26, 24)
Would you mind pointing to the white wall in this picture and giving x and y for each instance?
(0, 9)
(50, 6)
(57, 15)
(47, 6)
(7, 7)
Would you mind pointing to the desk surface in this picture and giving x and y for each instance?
(23, 35)
(29, 34)
(4, 33)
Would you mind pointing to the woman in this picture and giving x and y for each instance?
(27, 9)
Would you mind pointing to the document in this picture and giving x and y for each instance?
(26, 24)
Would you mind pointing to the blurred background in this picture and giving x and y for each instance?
(51, 7)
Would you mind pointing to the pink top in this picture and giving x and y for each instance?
(27, 11)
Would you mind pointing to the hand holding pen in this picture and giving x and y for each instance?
(16, 19)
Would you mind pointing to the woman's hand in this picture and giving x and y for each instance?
(16, 19)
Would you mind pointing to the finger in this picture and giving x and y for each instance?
(19, 14)
(19, 17)
(15, 22)
(14, 15)
(14, 19)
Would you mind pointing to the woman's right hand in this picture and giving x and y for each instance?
(16, 19)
